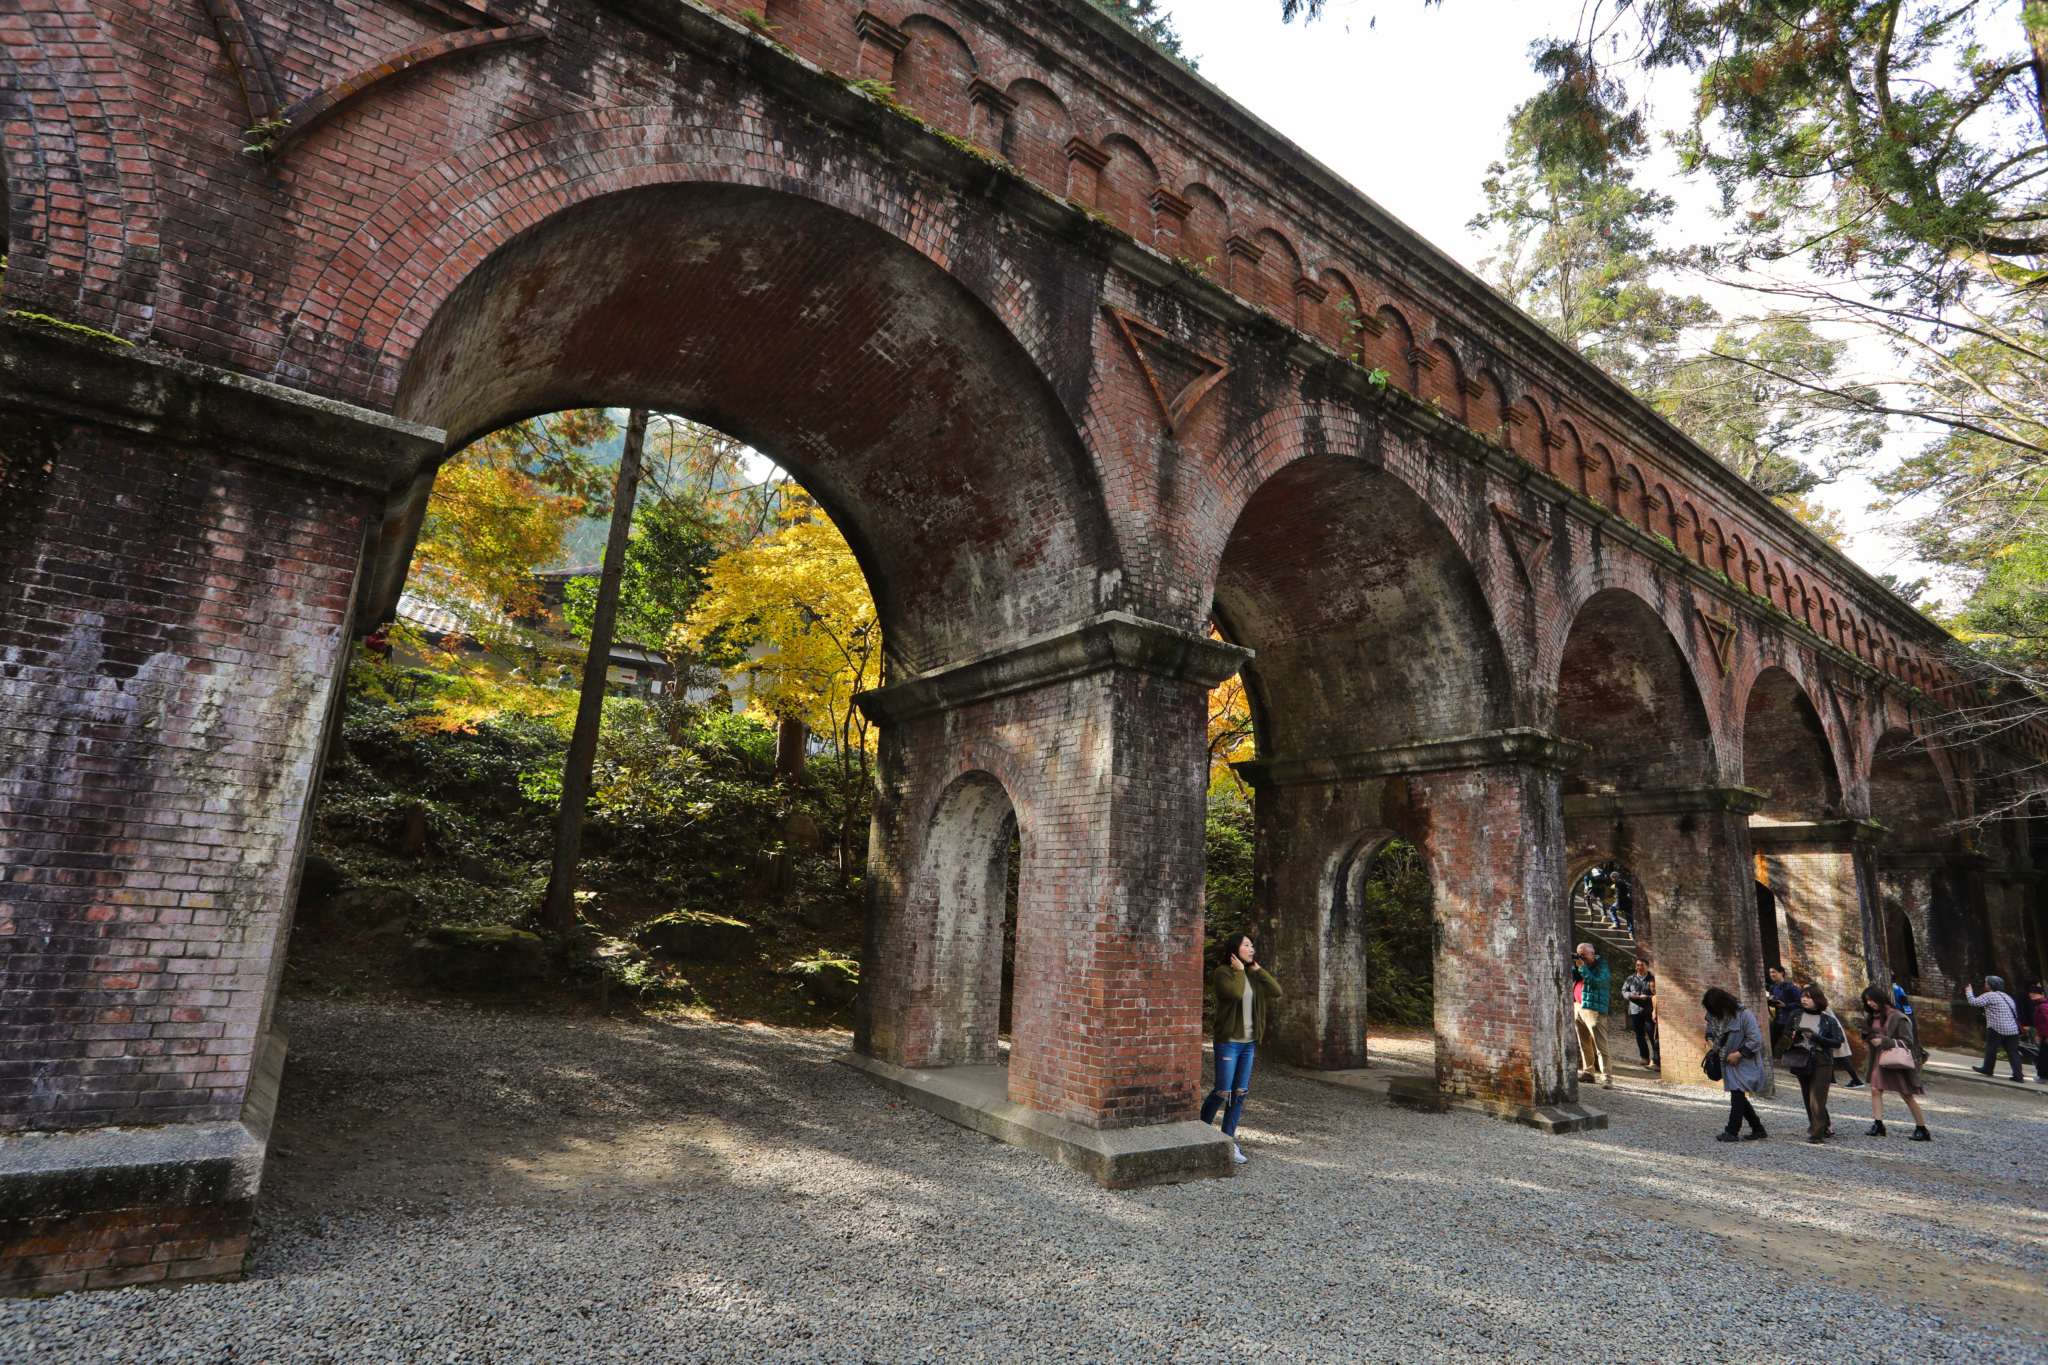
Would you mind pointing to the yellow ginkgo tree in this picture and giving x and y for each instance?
(792, 612)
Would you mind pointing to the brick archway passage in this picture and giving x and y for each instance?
(1079, 353)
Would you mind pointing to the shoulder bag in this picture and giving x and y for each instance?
(1896, 1054)
(1799, 1058)
(1711, 1063)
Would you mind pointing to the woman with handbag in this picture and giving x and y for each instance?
(1894, 1061)
(1737, 1046)
(1811, 1057)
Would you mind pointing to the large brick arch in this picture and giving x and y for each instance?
(1370, 625)
(1911, 792)
(852, 359)
(359, 311)
(1628, 689)
(82, 214)
(1787, 750)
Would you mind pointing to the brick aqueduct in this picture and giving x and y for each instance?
(1081, 356)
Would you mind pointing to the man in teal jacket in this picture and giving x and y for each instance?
(1590, 977)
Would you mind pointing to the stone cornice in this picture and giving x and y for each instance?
(77, 377)
(1819, 832)
(1666, 801)
(1494, 748)
(1114, 640)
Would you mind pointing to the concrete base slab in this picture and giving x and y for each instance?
(1961, 1066)
(977, 1097)
(1413, 1090)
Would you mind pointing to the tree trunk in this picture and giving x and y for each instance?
(558, 910)
(789, 750)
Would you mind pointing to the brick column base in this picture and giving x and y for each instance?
(1482, 809)
(105, 1208)
(1092, 741)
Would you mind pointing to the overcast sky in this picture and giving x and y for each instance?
(1412, 108)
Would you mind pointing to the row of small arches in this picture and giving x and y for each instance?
(934, 71)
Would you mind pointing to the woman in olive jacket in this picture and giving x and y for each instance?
(1243, 990)
(1885, 1026)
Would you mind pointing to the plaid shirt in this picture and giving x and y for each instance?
(1999, 1014)
(1595, 979)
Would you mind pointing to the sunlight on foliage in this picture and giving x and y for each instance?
(500, 510)
(793, 613)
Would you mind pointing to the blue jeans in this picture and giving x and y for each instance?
(1233, 1080)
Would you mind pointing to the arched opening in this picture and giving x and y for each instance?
(1359, 604)
(922, 427)
(1382, 927)
(1904, 955)
(966, 875)
(1604, 901)
(1767, 928)
(1811, 876)
(1625, 689)
(892, 393)
(1923, 883)
(1645, 798)
(724, 837)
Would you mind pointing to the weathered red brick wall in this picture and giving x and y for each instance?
(1065, 343)
(1104, 772)
(134, 208)
(172, 625)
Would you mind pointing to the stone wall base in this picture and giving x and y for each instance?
(977, 1097)
(107, 1207)
(1420, 1092)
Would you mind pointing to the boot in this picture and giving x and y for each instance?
(1756, 1134)
(1728, 1135)
(1920, 1134)
(1876, 1128)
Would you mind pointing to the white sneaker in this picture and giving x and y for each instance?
(1235, 1155)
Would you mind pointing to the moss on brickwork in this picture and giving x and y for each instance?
(79, 330)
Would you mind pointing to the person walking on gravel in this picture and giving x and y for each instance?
(1845, 1057)
(2037, 1020)
(1243, 990)
(1784, 1008)
(2001, 1026)
(1894, 1061)
(1591, 974)
(1811, 1057)
(1732, 1030)
(1640, 991)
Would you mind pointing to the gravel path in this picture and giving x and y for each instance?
(462, 1187)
